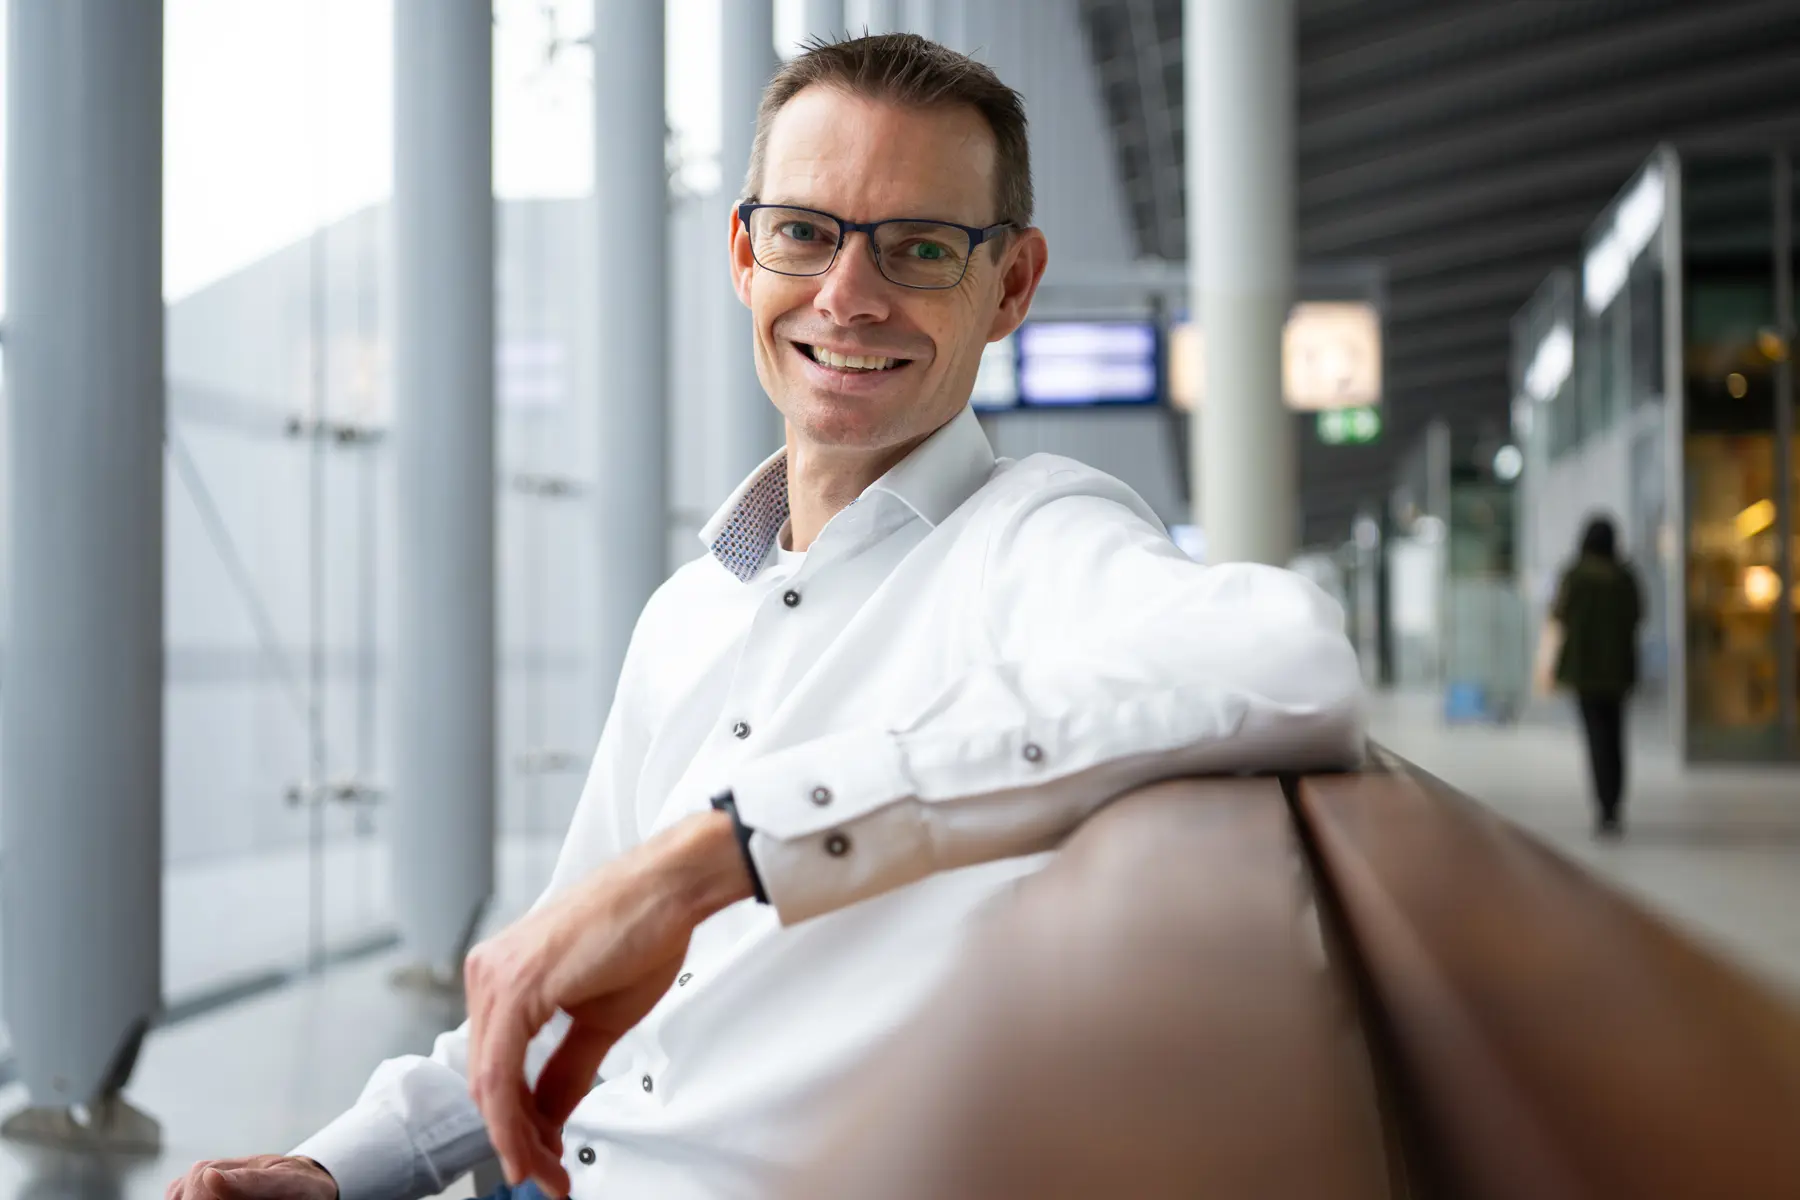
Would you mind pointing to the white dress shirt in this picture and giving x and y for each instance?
(964, 664)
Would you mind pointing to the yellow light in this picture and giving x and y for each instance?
(1772, 345)
(1737, 385)
(1330, 358)
(1762, 586)
(1756, 518)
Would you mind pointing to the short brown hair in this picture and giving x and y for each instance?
(906, 69)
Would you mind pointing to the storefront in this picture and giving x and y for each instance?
(1665, 356)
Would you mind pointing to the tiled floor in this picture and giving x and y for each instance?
(258, 1076)
(1717, 850)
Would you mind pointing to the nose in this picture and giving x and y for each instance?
(853, 291)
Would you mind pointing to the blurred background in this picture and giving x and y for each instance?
(1543, 266)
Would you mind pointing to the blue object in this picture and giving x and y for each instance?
(525, 1191)
(1464, 701)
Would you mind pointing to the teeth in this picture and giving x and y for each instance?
(852, 362)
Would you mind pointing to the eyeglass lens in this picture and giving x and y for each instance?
(917, 254)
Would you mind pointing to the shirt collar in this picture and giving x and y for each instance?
(942, 471)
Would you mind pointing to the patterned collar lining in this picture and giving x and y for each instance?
(744, 540)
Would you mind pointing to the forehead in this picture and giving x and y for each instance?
(865, 159)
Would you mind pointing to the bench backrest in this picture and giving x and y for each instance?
(1342, 986)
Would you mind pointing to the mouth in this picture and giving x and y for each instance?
(849, 364)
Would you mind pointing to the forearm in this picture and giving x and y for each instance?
(1019, 757)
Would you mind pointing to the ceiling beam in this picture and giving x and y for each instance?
(1689, 99)
(1485, 194)
(1530, 74)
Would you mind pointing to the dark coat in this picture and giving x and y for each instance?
(1598, 605)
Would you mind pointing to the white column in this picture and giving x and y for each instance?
(877, 16)
(631, 203)
(825, 18)
(948, 23)
(748, 427)
(444, 770)
(83, 769)
(1240, 185)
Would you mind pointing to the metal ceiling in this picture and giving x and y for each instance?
(1464, 145)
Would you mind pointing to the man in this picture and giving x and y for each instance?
(902, 668)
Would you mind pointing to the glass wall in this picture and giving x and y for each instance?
(280, 490)
(280, 502)
(279, 510)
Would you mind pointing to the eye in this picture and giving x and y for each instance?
(927, 251)
(801, 231)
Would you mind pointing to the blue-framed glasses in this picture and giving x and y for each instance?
(911, 253)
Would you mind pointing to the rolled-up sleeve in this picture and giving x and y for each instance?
(1116, 661)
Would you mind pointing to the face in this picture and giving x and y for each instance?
(867, 160)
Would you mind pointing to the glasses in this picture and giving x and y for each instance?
(914, 254)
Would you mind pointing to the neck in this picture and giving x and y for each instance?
(823, 480)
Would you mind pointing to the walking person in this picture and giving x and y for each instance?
(1592, 634)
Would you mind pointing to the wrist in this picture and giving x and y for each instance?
(318, 1166)
(704, 865)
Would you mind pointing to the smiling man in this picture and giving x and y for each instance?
(901, 670)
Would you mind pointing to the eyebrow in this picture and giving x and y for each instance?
(912, 216)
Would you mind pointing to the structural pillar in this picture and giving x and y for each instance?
(1240, 220)
(825, 19)
(877, 16)
(749, 428)
(82, 749)
(631, 211)
(444, 768)
(943, 21)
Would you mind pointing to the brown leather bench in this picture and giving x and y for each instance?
(1344, 986)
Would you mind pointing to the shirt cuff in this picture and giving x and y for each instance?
(822, 784)
(368, 1151)
(832, 821)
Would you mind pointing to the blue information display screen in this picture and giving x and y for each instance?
(1087, 363)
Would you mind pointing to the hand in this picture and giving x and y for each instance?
(604, 952)
(262, 1177)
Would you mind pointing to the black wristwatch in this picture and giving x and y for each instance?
(725, 802)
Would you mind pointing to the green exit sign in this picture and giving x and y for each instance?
(1349, 426)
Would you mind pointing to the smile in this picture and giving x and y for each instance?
(850, 363)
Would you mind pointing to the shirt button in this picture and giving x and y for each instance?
(741, 730)
(586, 1155)
(837, 845)
(792, 599)
(683, 981)
(1033, 752)
(647, 1084)
(821, 796)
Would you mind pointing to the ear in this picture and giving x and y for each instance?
(1021, 270)
(743, 262)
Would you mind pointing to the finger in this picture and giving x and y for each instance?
(501, 1093)
(551, 1176)
(524, 1151)
(215, 1184)
(568, 1073)
(477, 1000)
